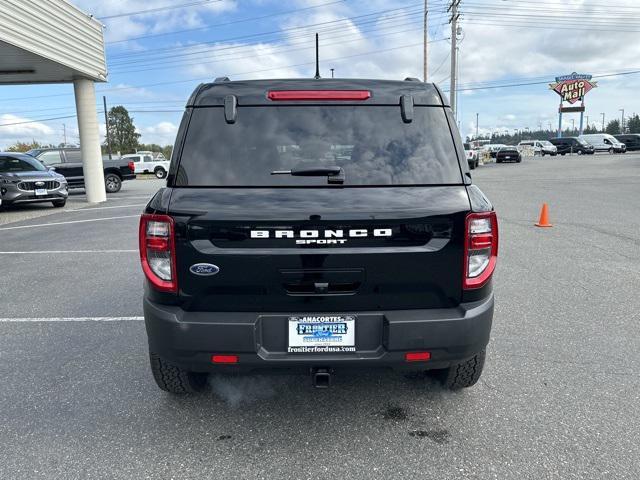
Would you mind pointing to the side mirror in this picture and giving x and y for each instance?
(51, 169)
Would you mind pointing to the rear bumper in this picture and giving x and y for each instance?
(188, 339)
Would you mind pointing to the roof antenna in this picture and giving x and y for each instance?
(317, 77)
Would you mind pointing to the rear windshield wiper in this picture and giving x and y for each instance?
(333, 174)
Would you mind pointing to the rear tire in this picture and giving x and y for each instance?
(174, 379)
(610, 150)
(59, 203)
(160, 172)
(112, 183)
(472, 165)
(464, 374)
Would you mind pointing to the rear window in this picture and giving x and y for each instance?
(372, 144)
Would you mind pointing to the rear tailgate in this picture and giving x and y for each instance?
(320, 249)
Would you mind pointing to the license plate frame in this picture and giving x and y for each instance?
(329, 333)
(41, 192)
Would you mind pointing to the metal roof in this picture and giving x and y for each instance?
(48, 41)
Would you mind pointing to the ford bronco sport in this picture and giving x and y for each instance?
(317, 225)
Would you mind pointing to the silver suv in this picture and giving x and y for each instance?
(23, 179)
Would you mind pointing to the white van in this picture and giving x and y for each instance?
(539, 147)
(603, 142)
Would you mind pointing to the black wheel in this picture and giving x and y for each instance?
(464, 374)
(498, 161)
(519, 160)
(562, 154)
(174, 379)
(610, 150)
(160, 172)
(112, 183)
(472, 165)
(542, 154)
(59, 203)
(580, 152)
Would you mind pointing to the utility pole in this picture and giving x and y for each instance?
(602, 122)
(106, 125)
(622, 122)
(332, 72)
(477, 116)
(587, 122)
(64, 134)
(454, 52)
(425, 60)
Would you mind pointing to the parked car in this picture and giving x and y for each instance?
(603, 142)
(539, 147)
(508, 153)
(572, 145)
(631, 140)
(23, 179)
(473, 158)
(144, 162)
(493, 148)
(348, 236)
(68, 162)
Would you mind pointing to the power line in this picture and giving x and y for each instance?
(231, 22)
(160, 9)
(145, 53)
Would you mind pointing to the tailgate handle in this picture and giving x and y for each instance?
(321, 288)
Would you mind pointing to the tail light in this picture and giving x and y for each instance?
(334, 95)
(480, 249)
(158, 251)
(132, 167)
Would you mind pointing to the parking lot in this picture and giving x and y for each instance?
(560, 396)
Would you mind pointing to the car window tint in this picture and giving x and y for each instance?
(50, 158)
(73, 156)
(372, 144)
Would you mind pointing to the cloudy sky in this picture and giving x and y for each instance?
(157, 58)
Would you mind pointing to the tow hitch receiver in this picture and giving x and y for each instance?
(321, 377)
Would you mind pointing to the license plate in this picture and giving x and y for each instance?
(507, 157)
(322, 334)
(41, 191)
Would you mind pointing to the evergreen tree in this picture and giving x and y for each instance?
(122, 131)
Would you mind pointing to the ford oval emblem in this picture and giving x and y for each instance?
(204, 269)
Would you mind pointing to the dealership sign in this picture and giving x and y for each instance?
(573, 88)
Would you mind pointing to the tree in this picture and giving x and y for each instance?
(633, 123)
(613, 127)
(24, 146)
(122, 131)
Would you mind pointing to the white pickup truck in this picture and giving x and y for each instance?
(144, 162)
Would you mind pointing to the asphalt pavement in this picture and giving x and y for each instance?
(559, 398)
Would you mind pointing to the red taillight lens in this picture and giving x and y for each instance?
(417, 356)
(224, 358)
(132, 167)
(158, 252)
(480, 249)
(292, 95)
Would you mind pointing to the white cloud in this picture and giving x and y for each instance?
(26, 132)
(162, 133)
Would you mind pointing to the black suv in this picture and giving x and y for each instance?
(572, 145)
(317, 225)
(631, 140)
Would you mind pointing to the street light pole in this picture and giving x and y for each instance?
(477, 116)
(602, 122)
(622, 122)
(425, 26)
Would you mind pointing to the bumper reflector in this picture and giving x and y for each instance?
(224, 358)
(417, 356)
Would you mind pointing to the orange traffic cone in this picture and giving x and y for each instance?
(544, 217)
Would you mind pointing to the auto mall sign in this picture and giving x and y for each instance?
(574, 87)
